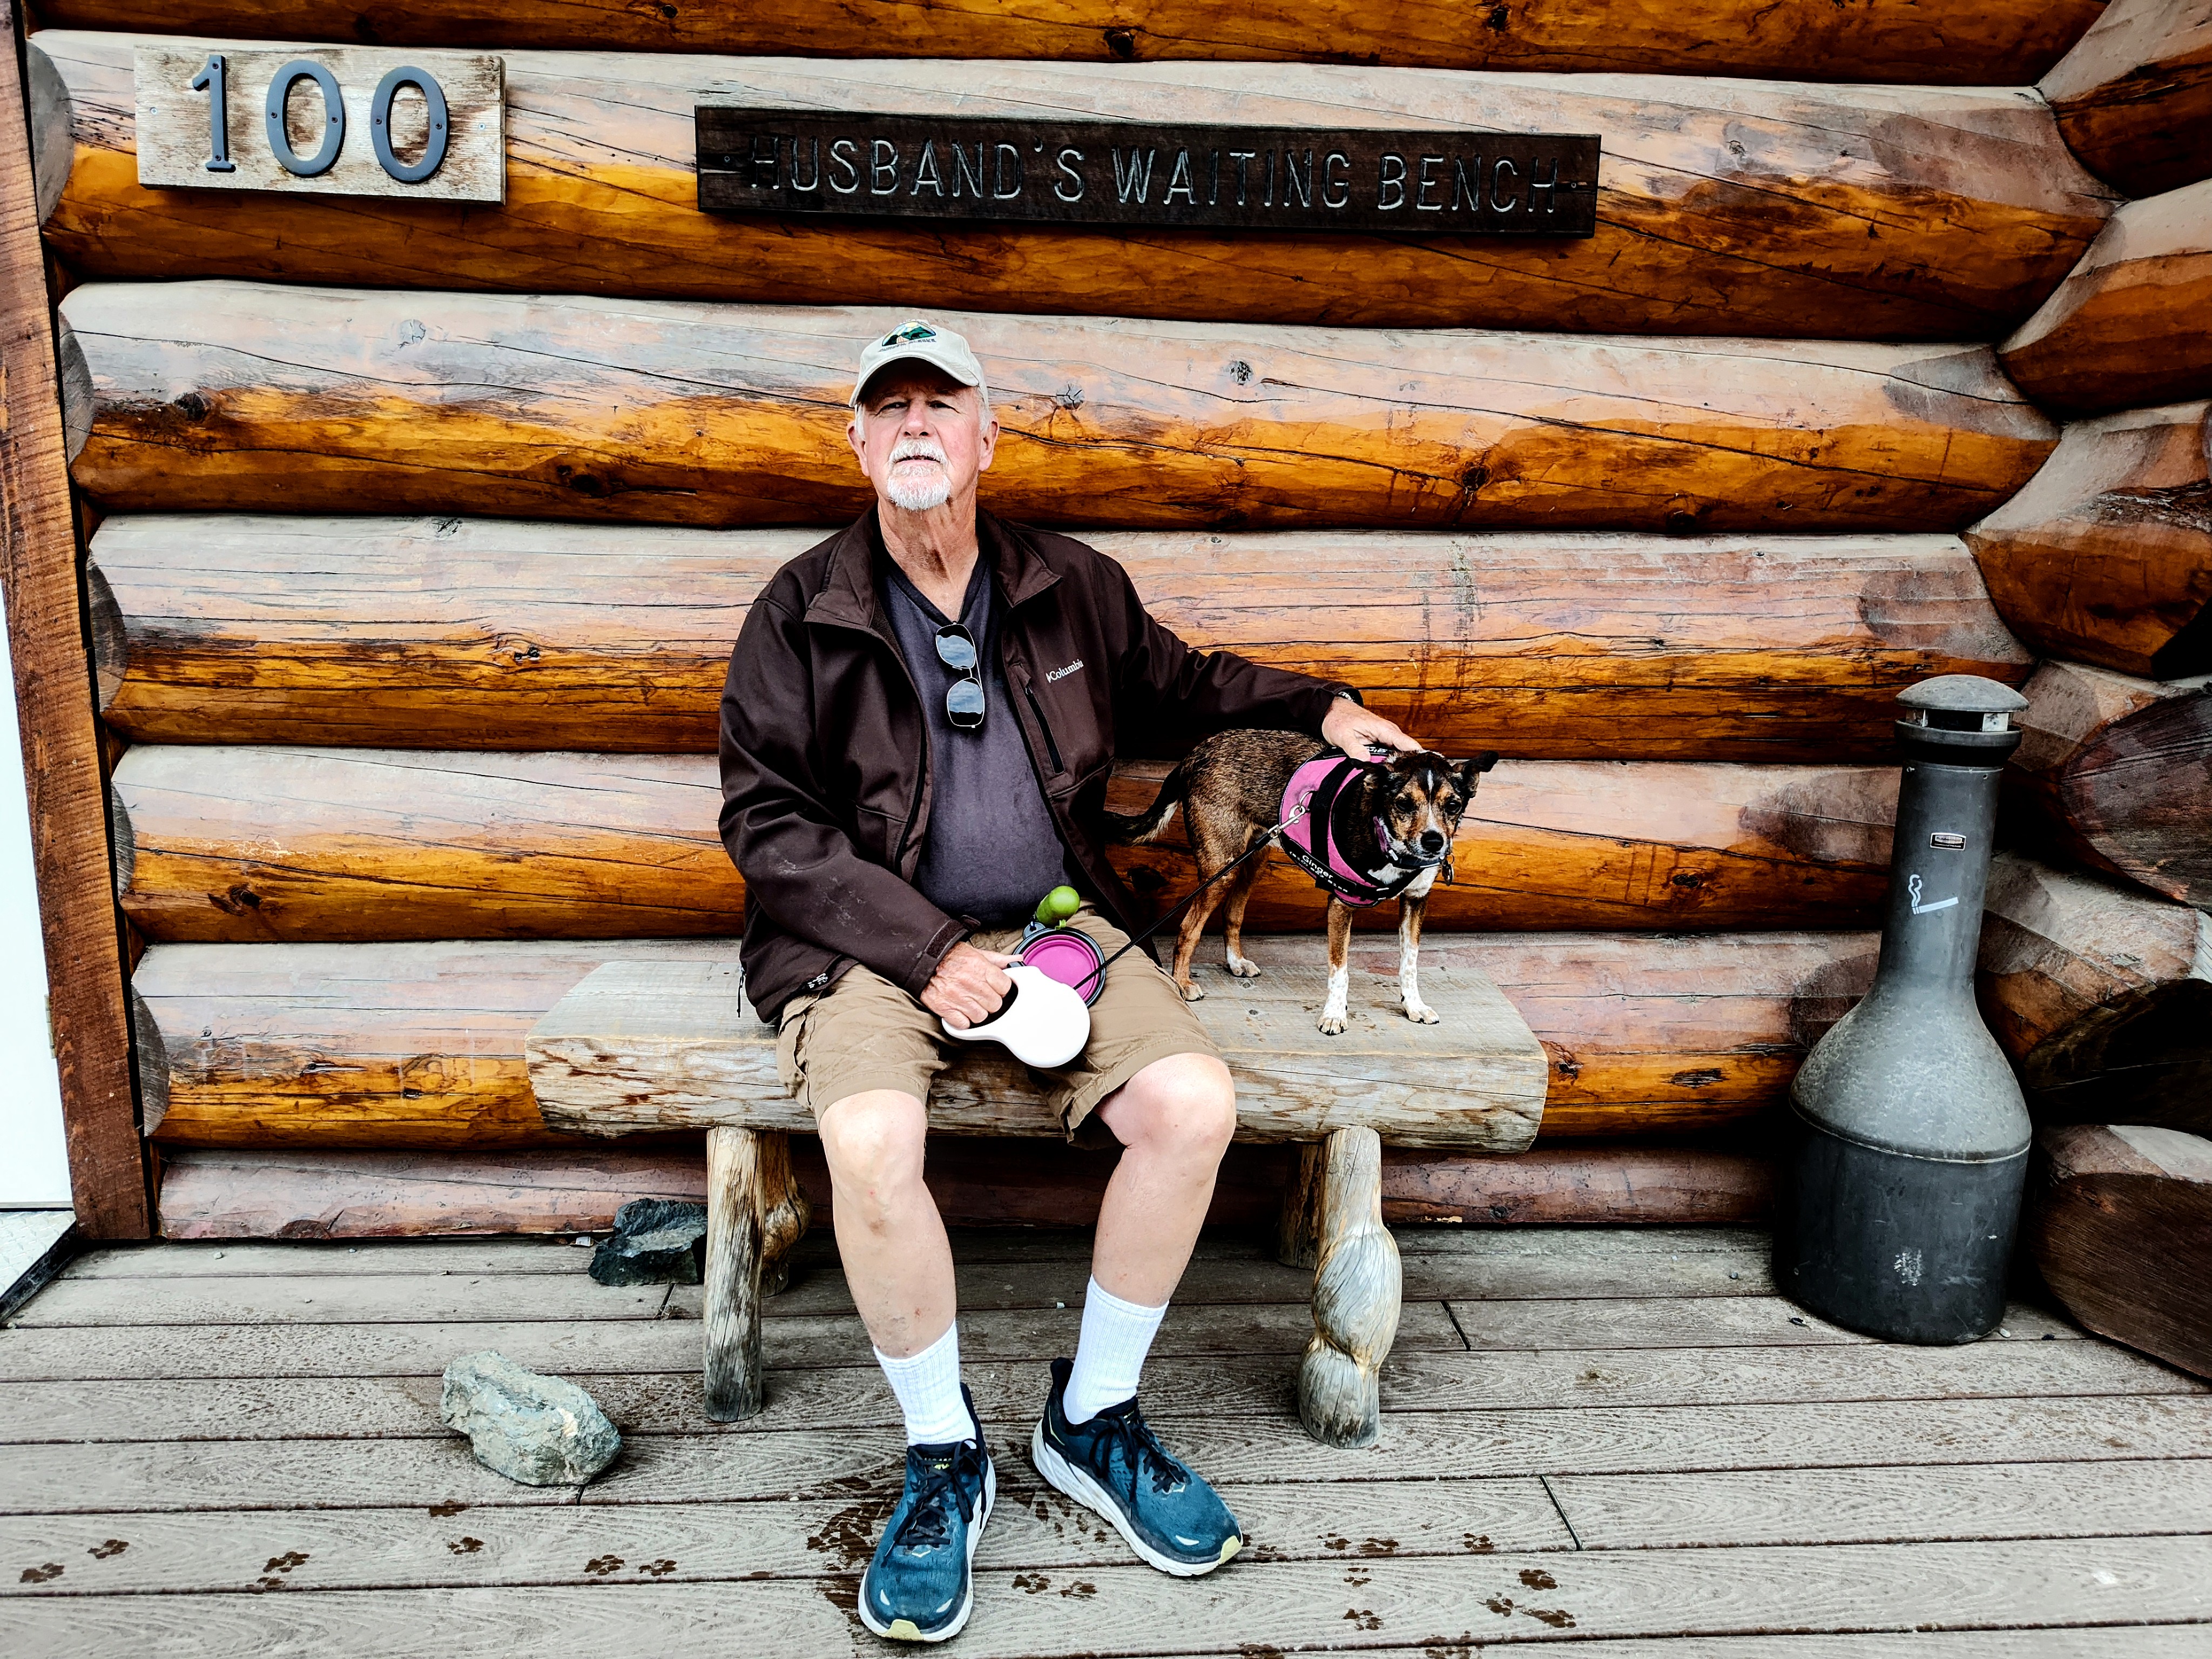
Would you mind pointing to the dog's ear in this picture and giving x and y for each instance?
(1469, 772)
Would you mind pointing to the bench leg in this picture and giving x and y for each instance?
(1297, 1232)
(1356, 1286)
(735, 1161)
(785, 1212)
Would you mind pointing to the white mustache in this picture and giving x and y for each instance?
(918, 449)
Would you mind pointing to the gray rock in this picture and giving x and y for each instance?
(656, 1241)
(541, 1431)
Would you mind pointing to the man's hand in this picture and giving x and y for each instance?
(1352, 728)
(968, 986)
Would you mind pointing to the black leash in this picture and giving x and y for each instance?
(1265, 840)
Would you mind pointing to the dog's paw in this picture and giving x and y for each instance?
(1192, 992)
(1420, 1013)
(1332, 1025)
(1243, 967)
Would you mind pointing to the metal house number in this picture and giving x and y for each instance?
(213, 80)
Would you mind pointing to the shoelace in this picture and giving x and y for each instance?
(1140, 1447)
(928, 1524)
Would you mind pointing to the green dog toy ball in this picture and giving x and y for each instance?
(1058, 906)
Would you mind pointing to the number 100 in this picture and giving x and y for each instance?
(213, 80)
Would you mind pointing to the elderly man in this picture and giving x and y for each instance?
(920, 716)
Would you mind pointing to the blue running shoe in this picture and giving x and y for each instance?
(1114, 1464)
(919, 1587)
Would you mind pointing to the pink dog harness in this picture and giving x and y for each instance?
(1309, 834)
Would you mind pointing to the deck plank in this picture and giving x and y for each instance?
(678, 1468)
(1509, 1262)
(410, 1298)
(1349, 1522)
(1880, 1505)
(1129, 1609)
(807, 1538)
(685, 1467)
(855, 1394)
(1690, 1322)
(253, 1259)
(591, 1348)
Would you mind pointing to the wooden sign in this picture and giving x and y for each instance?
(323, 121)
(1146, 176)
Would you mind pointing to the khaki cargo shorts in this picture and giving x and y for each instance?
(863, 1032)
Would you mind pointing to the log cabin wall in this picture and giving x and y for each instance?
(423, 531)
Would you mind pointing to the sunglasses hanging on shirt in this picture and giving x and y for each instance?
(963, 698)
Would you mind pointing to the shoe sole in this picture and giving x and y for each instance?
(891, 1632)
(1063, 1474)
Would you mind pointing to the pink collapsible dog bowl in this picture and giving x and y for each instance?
(1073, 958)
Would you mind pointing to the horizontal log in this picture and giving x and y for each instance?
(481, 634)
(2121, 1225)
(330, 845)
(1954, 42)
(2107, 555)
(420, 1045)
(220, 1193)
(238, 1193)
(1722, 209)
(2117, 773)
(1583, 1183)
(2134, 97)
(2126, 329)
(677, 413)
(2102, 997)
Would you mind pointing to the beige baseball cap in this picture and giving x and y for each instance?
(924, 341)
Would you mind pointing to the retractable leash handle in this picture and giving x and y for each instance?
(1042, 1023)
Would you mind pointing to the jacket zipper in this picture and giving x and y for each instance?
(1044, 725)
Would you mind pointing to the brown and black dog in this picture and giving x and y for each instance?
(1392, 824)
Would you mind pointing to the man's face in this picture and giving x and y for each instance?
(921, 438)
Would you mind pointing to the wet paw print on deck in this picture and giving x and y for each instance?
(660, 1569)
(44, 1574)
(600, 1566)
(1478, 1543)
(273, 1570)
(1358, 1577)
(465, 1546)
(1081, 1590)
(1031, 1584)
(1535, 1578)
(113, 1548)
(446, 1510)
(1364, 1618)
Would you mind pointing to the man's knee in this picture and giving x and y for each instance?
(872, 1142)
(1185, 1105)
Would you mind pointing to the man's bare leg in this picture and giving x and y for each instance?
(898, 1263)
(1173, 1120)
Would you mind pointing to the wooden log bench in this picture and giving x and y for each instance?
(646, 1046)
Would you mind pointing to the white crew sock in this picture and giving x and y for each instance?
(927, 1385)
(1109, 1357)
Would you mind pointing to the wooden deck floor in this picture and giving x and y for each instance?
(1622, 1438)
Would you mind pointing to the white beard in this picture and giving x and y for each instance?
(918, 495)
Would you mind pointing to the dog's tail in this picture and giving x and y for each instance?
(1146, 824)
